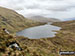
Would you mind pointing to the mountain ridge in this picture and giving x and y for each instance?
(44, 19)
(12, 20)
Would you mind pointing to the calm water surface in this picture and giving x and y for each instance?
(37, 32)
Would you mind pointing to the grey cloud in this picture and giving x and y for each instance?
(55, 8)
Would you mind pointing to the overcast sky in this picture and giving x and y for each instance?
(60, 9)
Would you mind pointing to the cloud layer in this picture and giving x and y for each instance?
(60, 9)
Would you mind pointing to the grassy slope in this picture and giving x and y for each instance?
(14, 21)
(65, 39)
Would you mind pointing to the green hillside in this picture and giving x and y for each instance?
(14, 21)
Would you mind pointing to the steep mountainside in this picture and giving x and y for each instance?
(14, 21)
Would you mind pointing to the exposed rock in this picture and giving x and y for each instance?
(14, 45)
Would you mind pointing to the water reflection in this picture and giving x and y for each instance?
(37, 32)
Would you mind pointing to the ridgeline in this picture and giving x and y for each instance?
(13, 21)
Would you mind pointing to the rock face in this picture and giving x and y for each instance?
(14, 21)
(14, 45)
(44, 19)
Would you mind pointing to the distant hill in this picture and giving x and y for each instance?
(14, 21)
(43, 19)
(68, 19)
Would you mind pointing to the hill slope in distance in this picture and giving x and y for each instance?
(44, 19)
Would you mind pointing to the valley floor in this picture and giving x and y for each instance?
(64, 40)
